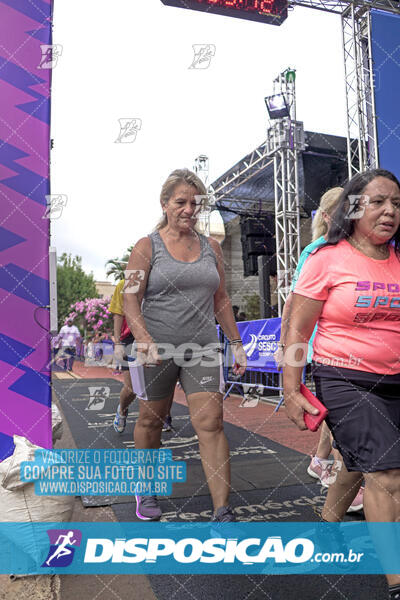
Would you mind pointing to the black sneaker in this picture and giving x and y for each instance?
(167, 426)
(394, 594)
(224, 514)
(330, 539)
(223, 524)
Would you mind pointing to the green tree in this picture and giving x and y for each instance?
(252, 309)
(73, 284)
(117, 266)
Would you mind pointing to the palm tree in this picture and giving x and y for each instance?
(117, 266)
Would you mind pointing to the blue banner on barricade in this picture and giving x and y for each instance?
(207, 548)
(260, 340)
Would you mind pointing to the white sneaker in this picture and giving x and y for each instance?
(320, 468)
(119, 421)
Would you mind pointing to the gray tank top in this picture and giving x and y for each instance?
(178, 305)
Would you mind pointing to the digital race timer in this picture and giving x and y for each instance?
(273, 12)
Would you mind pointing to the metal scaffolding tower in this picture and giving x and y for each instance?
(202, 168)
(355, 15)
(285, 140)
(286, 137)
(339, 6)
(362, 145)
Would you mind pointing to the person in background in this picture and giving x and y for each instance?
(235, 309)
(117, 361)
(123, 340)
(98, 347)
(69, 337)
(79, 349)
(108, 349)
(321, 465)
(55, 346)
(350, 286)
(241, 317)
(181, 290)
(89, 349)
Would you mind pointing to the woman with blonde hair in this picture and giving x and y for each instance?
(171, 310)
(320, 465)
(319, 228)
(322, 217)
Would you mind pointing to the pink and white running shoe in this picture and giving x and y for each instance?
(320, 468)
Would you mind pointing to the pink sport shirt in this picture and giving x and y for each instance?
(359, 327)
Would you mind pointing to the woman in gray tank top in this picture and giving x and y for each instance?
(175, 290)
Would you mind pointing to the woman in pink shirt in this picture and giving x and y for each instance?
(351, 286)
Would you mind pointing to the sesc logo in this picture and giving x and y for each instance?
(265, 344)
(61, 552)
(191, 550)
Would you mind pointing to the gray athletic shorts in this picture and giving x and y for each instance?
(204, 374)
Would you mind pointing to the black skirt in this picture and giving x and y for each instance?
(364, 416)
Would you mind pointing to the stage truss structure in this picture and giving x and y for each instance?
(286, 136)
(285, 140)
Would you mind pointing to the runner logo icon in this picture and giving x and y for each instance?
(97, 397)
(61, 552)
(203, 54)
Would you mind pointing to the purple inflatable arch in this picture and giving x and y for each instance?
(25, 75)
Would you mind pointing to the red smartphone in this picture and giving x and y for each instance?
(313, 421)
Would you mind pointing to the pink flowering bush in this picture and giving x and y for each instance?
(91, 315)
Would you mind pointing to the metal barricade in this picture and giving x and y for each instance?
(252, 379)
(258, 377)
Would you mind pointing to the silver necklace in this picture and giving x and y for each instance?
(357, 247)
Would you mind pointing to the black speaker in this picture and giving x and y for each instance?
(320, 174)
(258, 226)
(271, 259)
(258, 246)
(258, 239)
(250, 265)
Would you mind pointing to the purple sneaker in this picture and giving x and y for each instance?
(147, 508)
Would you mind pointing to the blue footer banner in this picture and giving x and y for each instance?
(200, 548)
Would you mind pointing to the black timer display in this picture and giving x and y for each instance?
(273, 12)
